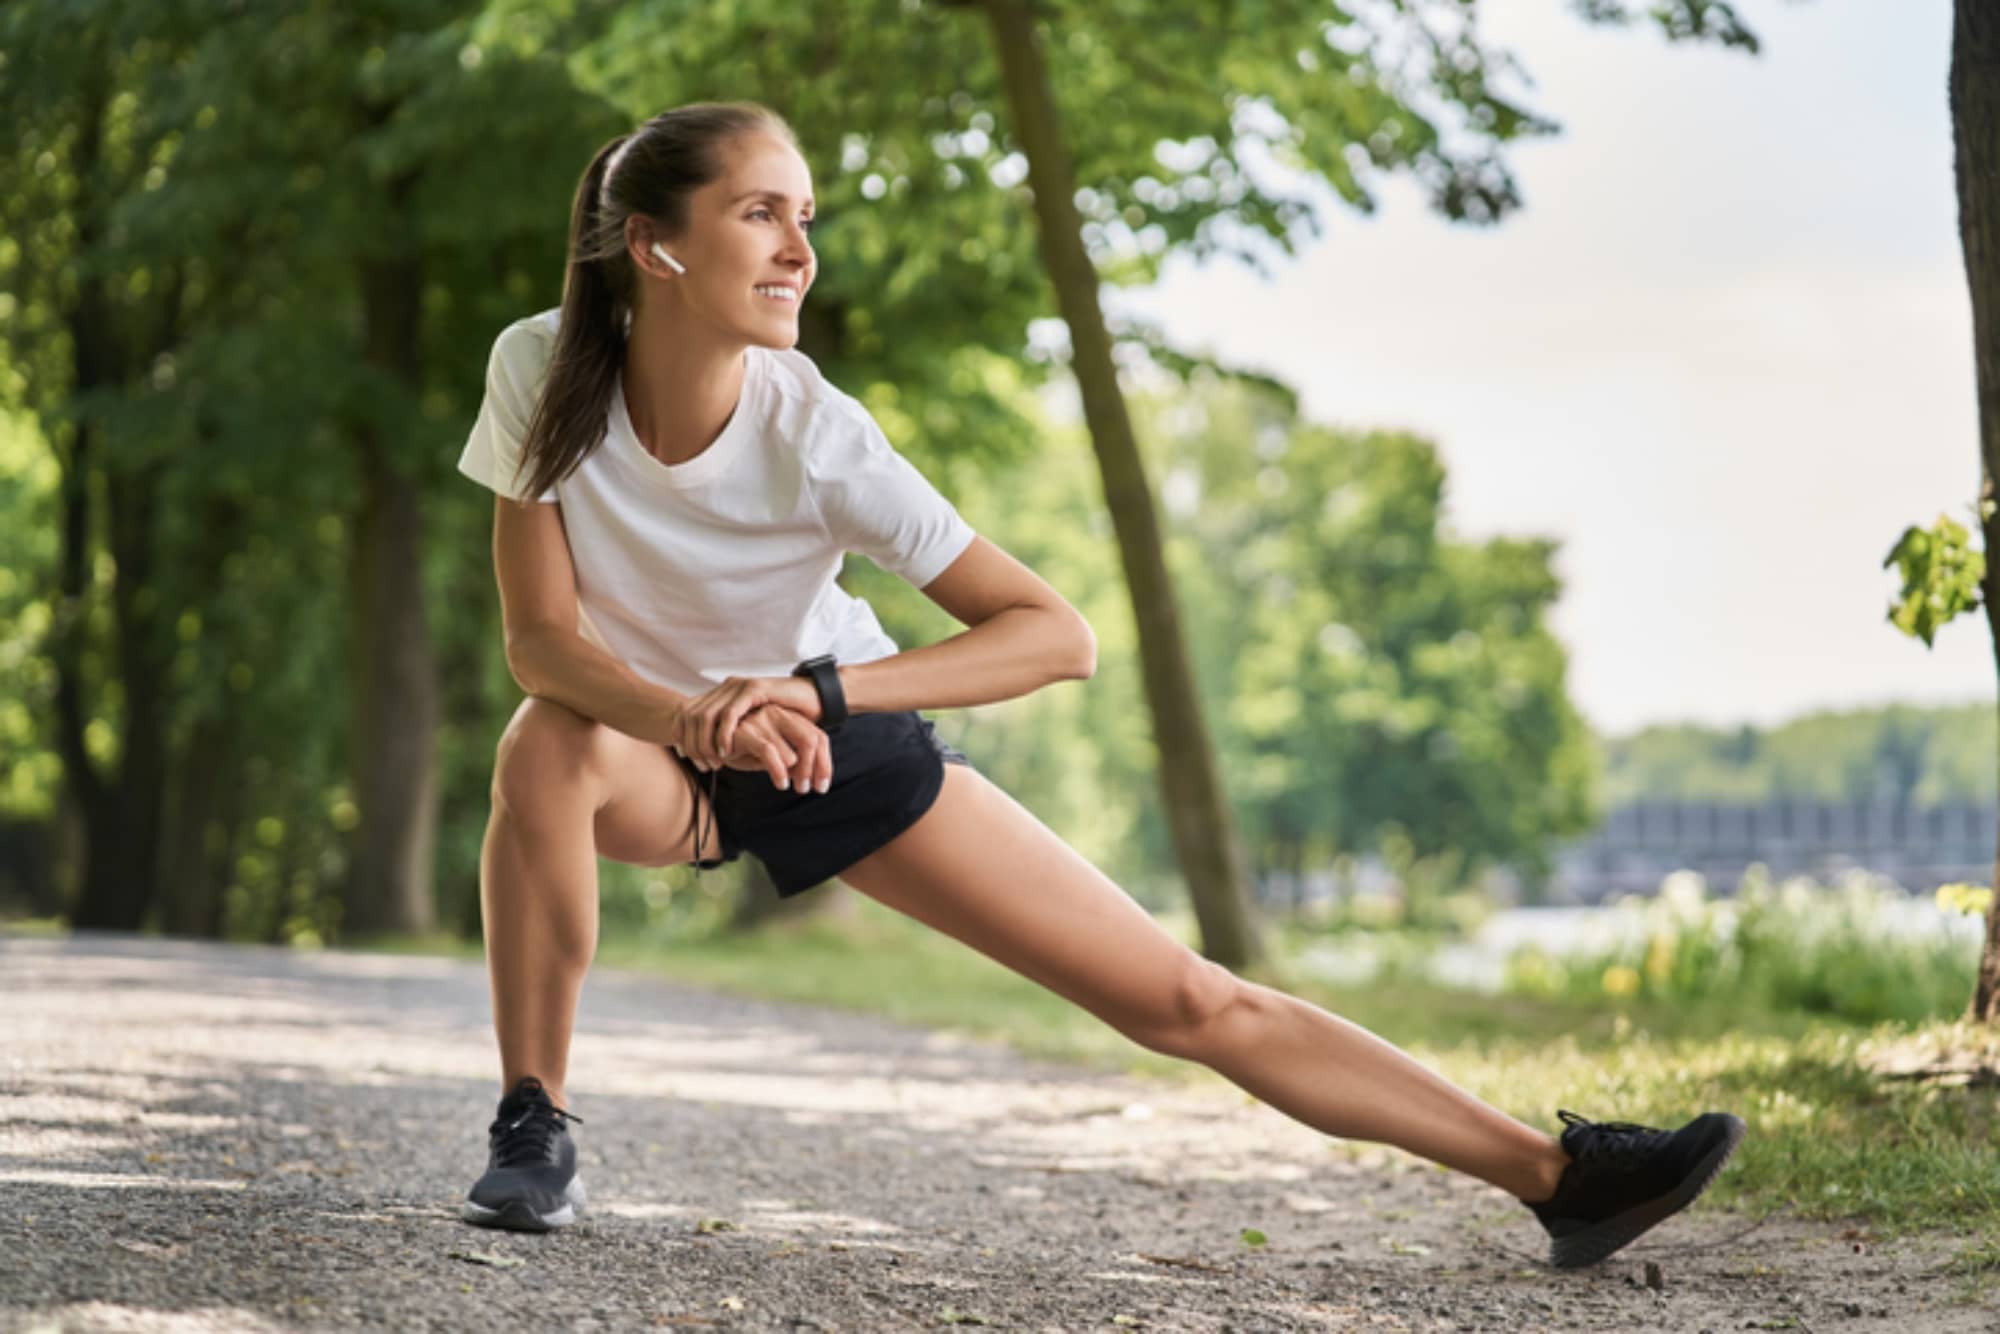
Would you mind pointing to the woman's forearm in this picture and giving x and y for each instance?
(572, 671)
(1010, 654)
(1005, 656)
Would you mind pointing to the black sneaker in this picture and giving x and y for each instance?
(531, 1183)
(1625, 1178)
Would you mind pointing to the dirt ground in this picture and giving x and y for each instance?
(198, 1137)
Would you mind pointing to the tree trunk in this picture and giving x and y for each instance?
(1197, 814)
(102, 879)
(115, 879)
(206, 786)
(1975, 118)
(395, 699)
(189, 872)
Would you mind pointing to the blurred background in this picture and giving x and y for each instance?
(1529, 397)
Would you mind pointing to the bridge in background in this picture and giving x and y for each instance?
(1919, 847)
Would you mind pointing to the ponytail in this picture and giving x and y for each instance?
(590, 342)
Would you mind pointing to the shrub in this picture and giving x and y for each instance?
(1860, 950)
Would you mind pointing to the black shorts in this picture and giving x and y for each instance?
(887, 770)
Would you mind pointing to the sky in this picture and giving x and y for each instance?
(1723, 354)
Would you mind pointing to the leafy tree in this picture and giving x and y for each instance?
(87, 338)
(1376, 684)
(271, 263)
(1939, 569)
(1376, 680)
(1893, 753)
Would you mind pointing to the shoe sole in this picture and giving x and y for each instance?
(520, 1216)
(1600, 1240)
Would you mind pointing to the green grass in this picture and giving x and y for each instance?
(42, 928)
(1829, 1138)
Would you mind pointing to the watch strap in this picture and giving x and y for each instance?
(826, 680)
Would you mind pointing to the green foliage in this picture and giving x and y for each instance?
(29, 770)
(1894, 753)
(1678, 20)
(198, 197)
(1377, 683)
(1836, 951)
(1941, 577)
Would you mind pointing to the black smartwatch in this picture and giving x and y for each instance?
(832, 699)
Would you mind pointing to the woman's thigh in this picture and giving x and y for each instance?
(642, 804)
(982, 869)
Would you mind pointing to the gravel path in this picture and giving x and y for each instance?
(203, 1137)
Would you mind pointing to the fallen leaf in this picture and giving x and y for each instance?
(485, 1258)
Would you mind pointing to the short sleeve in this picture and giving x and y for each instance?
(874, 501)
(514, 375)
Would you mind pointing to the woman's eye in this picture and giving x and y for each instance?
(805, 224)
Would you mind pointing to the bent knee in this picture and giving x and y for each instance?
(1191, 1008)
(545, 742)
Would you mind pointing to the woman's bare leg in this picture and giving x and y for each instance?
(982, 869)
(566, 790)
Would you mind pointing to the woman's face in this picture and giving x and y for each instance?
(749, 262)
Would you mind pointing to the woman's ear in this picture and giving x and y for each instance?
(640, 240)
(669, 260)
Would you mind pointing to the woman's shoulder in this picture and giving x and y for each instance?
(530, 336)
(794, 376)
(827, 413)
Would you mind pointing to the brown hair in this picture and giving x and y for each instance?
(650, 172)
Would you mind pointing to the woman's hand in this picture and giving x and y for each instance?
(705, 730)
(786, 745)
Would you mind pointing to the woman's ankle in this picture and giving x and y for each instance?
(1545, 1175)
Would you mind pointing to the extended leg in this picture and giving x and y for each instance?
(984, 870)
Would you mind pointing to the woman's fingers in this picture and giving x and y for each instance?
(805, 773)
(814, 759)
(802, 744)
(778, 758)
(788, 746)
(807, 777)
(761, 744)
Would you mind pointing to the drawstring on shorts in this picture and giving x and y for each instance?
(713, 776)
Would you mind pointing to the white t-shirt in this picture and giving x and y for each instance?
(725, 564)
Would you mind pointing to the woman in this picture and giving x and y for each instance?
(676, 487)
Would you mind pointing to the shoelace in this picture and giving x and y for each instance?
(1614, 1140)
(526, 1139)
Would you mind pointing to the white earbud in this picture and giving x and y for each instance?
(671, 262)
